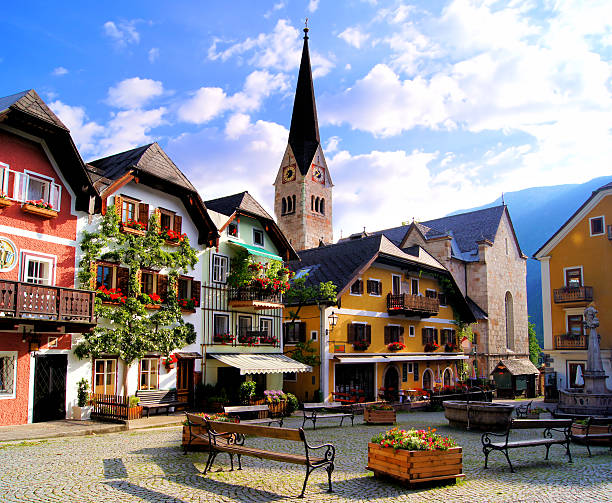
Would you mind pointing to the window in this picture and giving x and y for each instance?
(374, 287)
(104, 276)
(575, 374)
(166, 220)
(429, 335)
(294, 332)
(396, 283)
(30, 186)
(232, 229)
(597, 225)
(147, 283)
(394, 333)
(265, 325)
(219, 268)
(573, 277)
(105, 376)
(313, 335)
(406, 369)
(447, 336)
(411, 331)
(575, 325)
(509, 321)
(258, 237)
(290, 376)
(37, 269)
(8, 374)
(283, 206)
(317, 205)
(431, 294)
(442, 299)
(414, 286)
(245, 323)
(220, 324)
(322, 206)
(357, 287)
(359, 332)
(184, 288)
(149, 373)
(128, 211)
(38, 188)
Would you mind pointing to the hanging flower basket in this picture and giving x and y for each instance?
(170, 361)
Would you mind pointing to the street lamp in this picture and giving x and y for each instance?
(333, 320)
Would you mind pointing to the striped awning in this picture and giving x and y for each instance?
(256, 250)
(262, 364)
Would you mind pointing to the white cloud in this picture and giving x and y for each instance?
(59, 71)
(122, 33)
(130, 128)
(313, 5)
(354, 36)
(134, 92)
(153, 54)
(280, 50)
(83, 132)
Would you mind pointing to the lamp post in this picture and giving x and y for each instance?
(333, 320)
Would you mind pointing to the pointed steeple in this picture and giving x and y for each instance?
(304, 133)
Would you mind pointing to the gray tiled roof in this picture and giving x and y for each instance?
(227, 205)
(30, 103)
(478, 313)
(519, 366)
(149, 159)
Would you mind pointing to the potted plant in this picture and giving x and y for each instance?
(134, 408)
(188, 305)
(170, 361)
(431, 346)
(379, 413)
(4, 200)
(413, 456)
(247, 392)
(82, 411)
(396, 346)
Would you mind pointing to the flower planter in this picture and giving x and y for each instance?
(135, 412)
(197, 444)
(40, 212)
(81, 413)
(135, 232)
(5, 202)
(153, 306)
(374, 416)
(173, 243)
(413, 467)
(580, 429)
(187, 310)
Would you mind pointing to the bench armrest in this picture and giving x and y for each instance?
(329, 455)
(487, 439)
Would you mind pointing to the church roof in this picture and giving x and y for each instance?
(304, 131)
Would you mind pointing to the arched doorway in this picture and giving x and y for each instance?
(447, 378)
(391, 383)
(428, 379)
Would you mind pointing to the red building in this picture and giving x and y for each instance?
(45, 196)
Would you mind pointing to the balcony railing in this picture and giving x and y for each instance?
(412, 305)
(565, 341)
(573, 294)
(248, 338)
(254, 296)
(20, 301)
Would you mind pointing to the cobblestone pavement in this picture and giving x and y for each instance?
(149, 466)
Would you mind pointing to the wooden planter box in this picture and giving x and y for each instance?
(5, 202)
(379, 416)
(197, 444)
(580, 429)
(135, 412)
(413, 467)
(41, 212)
(136, 232)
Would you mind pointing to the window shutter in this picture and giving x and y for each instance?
(162, 286)
(424, 335)
(350, 336)
(401, 335)
(387, 334)
(118, 205)
(453, 335)
(368, 334)
(157, 213)
(303, 331)
(178, 223)
(435, 335)
(123, 280)
(196, 289)
(416, 371)
(93, 269)
(361, 286)
(285, 333)
(143, 213)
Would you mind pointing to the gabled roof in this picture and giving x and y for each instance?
(244, 203)
(304, 131)
(27, 112)
(572, 221)
(151, 166)
(519, 366)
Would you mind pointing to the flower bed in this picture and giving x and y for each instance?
(382, 413)
(414, 456)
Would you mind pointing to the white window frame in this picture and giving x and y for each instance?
(271, 320)
(411, 331)
(314, 335)
(52, 185)
(27, 255)
(14, 355)
(565, 269)
(381, 288)
(393, 276)
(149, 372)
(229, 327)
(5, 168)
(212, 267)
(603, 226)
(263, 238)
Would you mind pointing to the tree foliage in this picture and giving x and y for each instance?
(534, 345)
(305, 353)
(129, 329)
(301, 295)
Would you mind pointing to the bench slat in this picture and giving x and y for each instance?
(522, 424)
(246, 408)
(263, 454)
(260, 431)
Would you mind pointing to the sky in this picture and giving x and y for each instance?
(424, 107)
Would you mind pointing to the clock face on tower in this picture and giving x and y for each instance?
(289, 173)
(318, 173)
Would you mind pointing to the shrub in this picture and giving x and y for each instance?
(292, 403)
(247, 391)
(82, 392)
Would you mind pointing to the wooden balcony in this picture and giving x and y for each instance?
(412, 305)
(46, 307)
(565, 341)
(576, 295)
(255, 298)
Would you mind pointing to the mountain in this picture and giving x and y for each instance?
(537, 213)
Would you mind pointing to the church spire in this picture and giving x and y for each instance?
(304, 132)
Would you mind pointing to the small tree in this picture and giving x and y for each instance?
(534, 345)
(129, 329)
(301, 295)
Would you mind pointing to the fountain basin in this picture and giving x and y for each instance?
(484, 416)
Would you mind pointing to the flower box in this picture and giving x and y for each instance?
(396, 346)
(41, 212)
(413, 467)
(135, 412)
(152, 306)
(377, 416)
(581, 429)
(5, 202)
(135, 232)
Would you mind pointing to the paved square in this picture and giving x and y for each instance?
(149, 466)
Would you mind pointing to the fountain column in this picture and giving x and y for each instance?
(594, 375)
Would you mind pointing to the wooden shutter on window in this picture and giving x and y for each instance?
(435, 335)
(302, 333)
(401, 335)
(123, 280)
(453, 336)
(143, 213)
(178, 223)
(93, 269)
(424, 335)
(361, 286)
(157, 213)
(387, 334)
(368, 334)
(350, 335)
(196, 288)
(118, 205)
(162, 286)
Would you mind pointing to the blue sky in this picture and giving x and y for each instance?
(424, 107)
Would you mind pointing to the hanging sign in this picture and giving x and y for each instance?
(8, 254)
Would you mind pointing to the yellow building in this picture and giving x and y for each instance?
(393, 326)
(576, 270)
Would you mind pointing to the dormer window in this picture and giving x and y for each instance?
(232, 229)
(258, 237)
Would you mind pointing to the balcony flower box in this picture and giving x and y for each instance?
(379, 414)
(396, 346)
(223, 338)
(430, 347)
(268, 340)
(360, 346)
(188, 305)
(39, 208)
(172, 238)
(133, 227)
(249, 340)
(414, 456)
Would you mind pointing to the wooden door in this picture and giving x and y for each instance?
(184, 380)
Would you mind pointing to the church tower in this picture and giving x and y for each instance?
(303, 186)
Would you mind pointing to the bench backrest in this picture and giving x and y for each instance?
(600, 421)
(246, 408)
(258, 431)
(156, 396)
(323, 405)
(521, 424)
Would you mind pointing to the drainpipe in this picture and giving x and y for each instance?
(323, 352)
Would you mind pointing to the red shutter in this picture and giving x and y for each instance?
(401, 335)
(387, 334)
(303, 331)
(178, 223)
(350, 335)
(123, 280)
(143, 213)
(368, 334)
(162, 287)
(196, 288)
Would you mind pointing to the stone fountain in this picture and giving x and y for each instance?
(594, 398)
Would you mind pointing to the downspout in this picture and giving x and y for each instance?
(324, 353)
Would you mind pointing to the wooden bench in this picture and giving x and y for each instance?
(158, 399)
(230, 438)
(241, 409)
(316, 411)
(523, 409)
(594, 436)
(549, 426)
